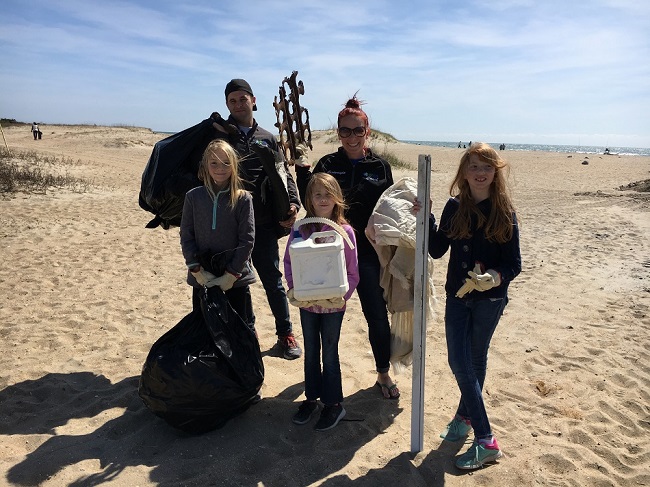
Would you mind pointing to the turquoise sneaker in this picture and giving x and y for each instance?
(477, 456)
(457, 429)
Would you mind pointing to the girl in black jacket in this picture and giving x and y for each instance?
(480, 226)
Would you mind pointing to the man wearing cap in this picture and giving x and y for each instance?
(266, 258)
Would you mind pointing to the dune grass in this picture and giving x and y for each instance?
(31, 172)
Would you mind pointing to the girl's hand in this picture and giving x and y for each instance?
(417, 206)
(488, 280)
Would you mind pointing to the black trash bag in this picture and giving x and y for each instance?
(205, 370)
(172, 171)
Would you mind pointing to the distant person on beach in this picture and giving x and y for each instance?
(35, 131)
(266, 254)
(479, 224)
(321, 319)
(363, 177)
(459, 144)
(218, 219)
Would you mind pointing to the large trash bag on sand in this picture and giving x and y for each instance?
(172, 171)
(205, 370)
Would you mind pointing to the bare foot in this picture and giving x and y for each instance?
(388, 388)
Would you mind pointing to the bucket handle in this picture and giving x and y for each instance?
(326, 221)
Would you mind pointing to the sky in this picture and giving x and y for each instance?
(513, 71)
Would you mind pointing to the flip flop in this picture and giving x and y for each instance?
(390, 390)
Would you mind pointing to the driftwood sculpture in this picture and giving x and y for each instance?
(293, 119)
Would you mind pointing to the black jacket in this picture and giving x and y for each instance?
(505, 258)
(362, 184)
(251, 170)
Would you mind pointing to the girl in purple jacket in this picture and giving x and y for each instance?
(321, 320)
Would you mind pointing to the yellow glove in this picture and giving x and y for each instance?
(488, 280)
(301, 151)
(225, 282)
(333, 303)
(468, 287)
(204, 277)
(293, 301)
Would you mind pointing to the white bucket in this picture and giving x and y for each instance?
(318, 266)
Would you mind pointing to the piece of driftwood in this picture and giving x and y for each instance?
(292, 118)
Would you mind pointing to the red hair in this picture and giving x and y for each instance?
(353, 107)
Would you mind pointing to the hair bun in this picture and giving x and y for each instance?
(353, 103)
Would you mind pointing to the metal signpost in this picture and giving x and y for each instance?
(421, 302)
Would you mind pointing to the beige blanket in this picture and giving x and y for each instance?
(391, 230)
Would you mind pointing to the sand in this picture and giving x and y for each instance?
(85, 290)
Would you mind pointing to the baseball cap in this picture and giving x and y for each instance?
(239, 84)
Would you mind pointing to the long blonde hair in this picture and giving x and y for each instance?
(499, 226)
(236, 185)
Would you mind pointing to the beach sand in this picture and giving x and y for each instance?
(85, 290)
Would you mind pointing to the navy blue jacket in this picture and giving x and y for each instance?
(505, 258)
(253, 174)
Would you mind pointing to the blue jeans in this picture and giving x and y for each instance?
(373, 305)
(469, 326)
(266, 260)
(325, 329)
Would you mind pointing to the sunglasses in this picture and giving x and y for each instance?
(345, 132)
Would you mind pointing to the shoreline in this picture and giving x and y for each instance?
(510, 146)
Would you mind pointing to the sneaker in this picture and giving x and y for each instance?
(330, 417)
(289, 347)
(457, 429)
(305, 411)
(477, 456)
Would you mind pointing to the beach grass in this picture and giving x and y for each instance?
(32, 172)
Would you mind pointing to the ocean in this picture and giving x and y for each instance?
(577, 149)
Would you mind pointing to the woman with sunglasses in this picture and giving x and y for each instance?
(363, 177)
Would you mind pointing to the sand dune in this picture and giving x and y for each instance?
(85, 290)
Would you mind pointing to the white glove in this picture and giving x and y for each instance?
(204, 278)
(301, 151)
(225, 282)
(486, 281)
(470, 285)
